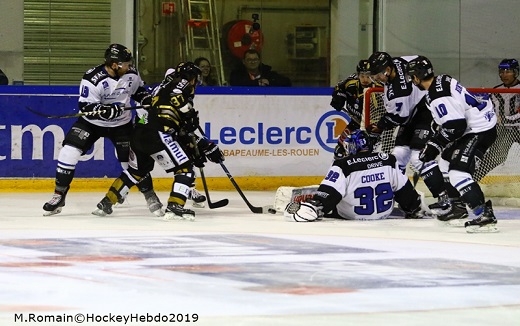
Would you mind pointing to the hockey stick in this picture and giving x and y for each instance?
(254, 209)
(417, 175)
(217, 204)
(211, 205)
(80, 114)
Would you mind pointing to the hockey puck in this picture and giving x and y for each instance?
(272, 210)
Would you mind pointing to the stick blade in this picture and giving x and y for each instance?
(218, 204)
(269, 209)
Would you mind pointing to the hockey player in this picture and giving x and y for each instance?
(363, 185)
(167, 137)
(406, 109)
(507, 106)
(142, 115)
(105, 89)
(348, 96)
(467, 130)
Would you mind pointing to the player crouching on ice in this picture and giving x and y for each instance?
(361, 186)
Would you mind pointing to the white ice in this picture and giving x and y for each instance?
(233, 267)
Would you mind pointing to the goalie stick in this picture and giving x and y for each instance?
(80, 114)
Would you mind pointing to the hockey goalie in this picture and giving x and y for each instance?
(364, 185)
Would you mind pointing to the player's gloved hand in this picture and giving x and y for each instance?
(430, 151)
(199, 161)
(307, 211)
(147, 101)
(374, 134)
(337, 103)
(192, 121)
(109, 112)
(214, 154)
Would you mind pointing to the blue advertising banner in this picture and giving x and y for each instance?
(29, 143)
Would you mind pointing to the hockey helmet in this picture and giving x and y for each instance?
(356, 142)
(117, 53)
(363, 67)
(509, 64)
(420, 67)
(378, 62)
(188, 70)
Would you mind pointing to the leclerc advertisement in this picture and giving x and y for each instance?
(262, 131)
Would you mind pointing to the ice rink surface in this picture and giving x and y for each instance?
(233, 267)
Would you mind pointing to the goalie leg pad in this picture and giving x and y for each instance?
(301, 212)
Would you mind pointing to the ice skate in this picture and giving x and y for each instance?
(153, 202)
(197, 198)
(120, 202)
(56, 203)
(178, 212)
(442, 206)
(104, 207)
(456, 215)
(485, 223)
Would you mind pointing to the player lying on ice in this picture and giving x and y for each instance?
(364, 185)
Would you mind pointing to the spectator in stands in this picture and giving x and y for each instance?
(3, 78)
(253, 72)
(207, 72)
(507, 106)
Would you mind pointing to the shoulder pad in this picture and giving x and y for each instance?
(441, 87)
(96, 75)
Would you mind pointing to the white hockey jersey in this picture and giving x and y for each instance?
(401, 96)
(366, 184)
(448, 100)
(97, 86)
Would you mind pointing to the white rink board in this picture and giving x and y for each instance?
(255, 116)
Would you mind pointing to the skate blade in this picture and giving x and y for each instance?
(198, 205)
(54, 212)
(490, 228)
(99, 212)
(184, 217)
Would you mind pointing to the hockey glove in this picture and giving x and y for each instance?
(199, 161)
(214, 154)
(430, 151)
(109, 112)
(307, 211)
(374, 134)
(147, 101)
(192, 121)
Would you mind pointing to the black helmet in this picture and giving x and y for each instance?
(421, 67)
(363, 66)
(509, 64)
(188, 70)
(378, 62)
(117, 53)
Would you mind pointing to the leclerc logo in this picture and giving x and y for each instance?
(329, 128)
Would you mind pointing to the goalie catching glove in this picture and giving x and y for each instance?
(307, 211)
